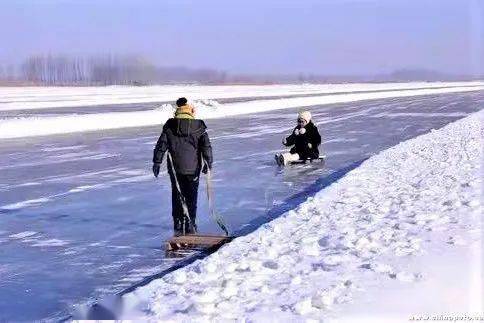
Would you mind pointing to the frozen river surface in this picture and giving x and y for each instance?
(82, 216)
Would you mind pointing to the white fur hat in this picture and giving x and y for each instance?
(306, 115)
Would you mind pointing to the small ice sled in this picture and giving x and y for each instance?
(279, 162)
(196, 242)
(304, 161)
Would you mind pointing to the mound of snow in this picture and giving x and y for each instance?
(359, 231)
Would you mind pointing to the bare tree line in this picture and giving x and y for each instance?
(102, 70)
(136, 70)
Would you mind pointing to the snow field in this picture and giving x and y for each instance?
(26, 98)
(303, 265)
(206, 109)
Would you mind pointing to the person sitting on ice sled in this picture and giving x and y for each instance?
(189, 152)
(305, 139)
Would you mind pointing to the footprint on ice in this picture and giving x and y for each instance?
(406, 277)
(456, 240)
(347, 283)
(270, 264)
(324, 241)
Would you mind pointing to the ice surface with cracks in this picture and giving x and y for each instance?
(310, 260)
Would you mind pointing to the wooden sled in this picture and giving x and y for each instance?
(196, 242)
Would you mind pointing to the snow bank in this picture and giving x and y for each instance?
(361, 230)
(26, 98)
(206, 109)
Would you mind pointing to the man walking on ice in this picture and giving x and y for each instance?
(186, 142)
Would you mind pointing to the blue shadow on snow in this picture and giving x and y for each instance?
(108, 309)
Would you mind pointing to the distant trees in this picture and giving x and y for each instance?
(54, 70)
(121, 70)
(106, 70)
(136, 70)
(103, 70)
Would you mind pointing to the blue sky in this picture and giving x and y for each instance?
(271, 36)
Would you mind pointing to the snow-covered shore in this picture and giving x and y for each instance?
(206, 109)
(355, 237)
(28, 98)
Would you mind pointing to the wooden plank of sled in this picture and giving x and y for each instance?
(191, 241)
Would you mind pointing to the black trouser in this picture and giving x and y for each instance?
(189, 189)
(305, 152)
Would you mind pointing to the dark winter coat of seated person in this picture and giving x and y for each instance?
(304, 140)
(185, 141)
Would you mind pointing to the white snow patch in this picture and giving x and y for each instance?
(55, 149)
(9, 187)
(84, 188)
(361, 230)
(28, 184)
(23, 204)
(50, 243)
(22, 235)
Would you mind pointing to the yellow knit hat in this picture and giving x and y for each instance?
(185, 109)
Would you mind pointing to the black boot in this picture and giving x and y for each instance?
(276, 157)
(177, 228)
(191, 228)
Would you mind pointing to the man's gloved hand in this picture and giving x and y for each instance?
(310, 145)
(156, 169)
(302, 131)
(205, 169)
(296, 132)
